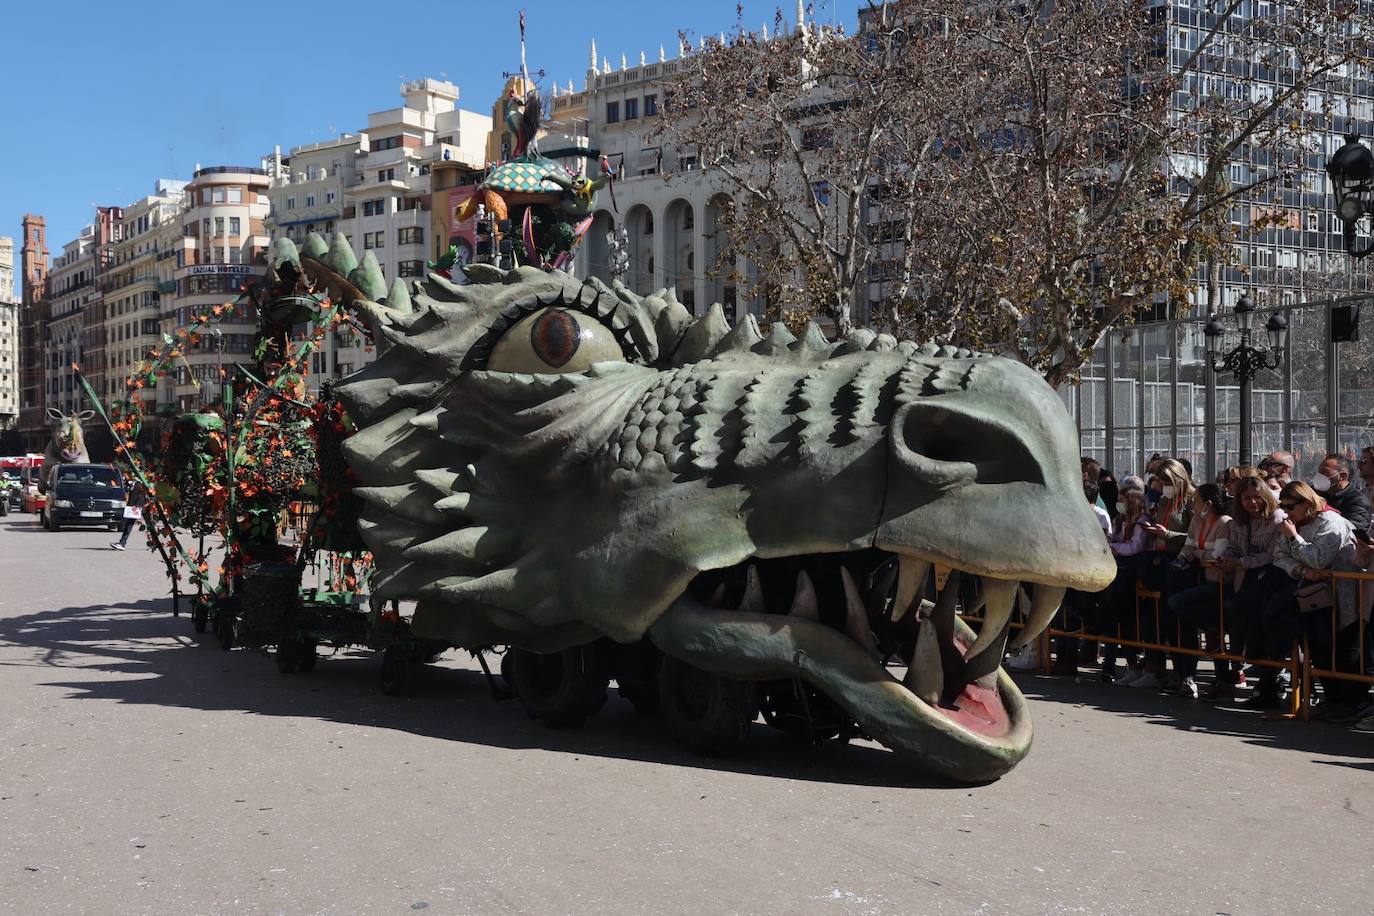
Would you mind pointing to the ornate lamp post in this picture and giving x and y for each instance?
(1245, 361)
(1352, 178)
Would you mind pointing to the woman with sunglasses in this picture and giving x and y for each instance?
(1313, 539)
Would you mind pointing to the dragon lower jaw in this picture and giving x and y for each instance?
(944, 702)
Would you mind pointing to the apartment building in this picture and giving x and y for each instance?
(9, 338)
(223, 238)
(375, 187)
(71, 287)
(33, 308)
(131, 298)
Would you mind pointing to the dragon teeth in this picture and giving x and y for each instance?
(855, 614)
(925, 676)
(942, 574)
(1000, 595)
(882, 587)
(753, 591)
(911, 578)
(1044, 605)
(804, 600)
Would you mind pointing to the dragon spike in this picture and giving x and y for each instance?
(804, 599)
(398, 300)
(340, 257)
(283, 250)
(1001, 597)
(779, 339)
(880, 589)
(856, 614)
(702, 337)
(441, 480)
(753, 591)
(910, 581)
(476, 544)
(717, 598)
(473, 505)
(883, 343)
(314, 246)
(813, 338)
(671, 324)
(742, 337)
(1044, 604)
(857, 341)
(367, 276)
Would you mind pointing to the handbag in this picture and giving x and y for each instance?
(1312, 596)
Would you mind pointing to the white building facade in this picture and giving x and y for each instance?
(9, 337)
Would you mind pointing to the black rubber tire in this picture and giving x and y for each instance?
(287, 656)
(115, 527)
(711, 715)
(53, 524)
(200, 616)
(224, 630)
(562, 689)
(306, 658)
(395, 671)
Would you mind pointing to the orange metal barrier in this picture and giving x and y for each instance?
(1302, 667)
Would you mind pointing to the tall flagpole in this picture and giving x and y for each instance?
(524, 69)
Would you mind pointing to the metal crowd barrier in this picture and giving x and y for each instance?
(1303, 669)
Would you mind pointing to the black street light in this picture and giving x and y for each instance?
(1352, 178)
(1245, 361)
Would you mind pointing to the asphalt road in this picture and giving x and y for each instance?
(143, 771)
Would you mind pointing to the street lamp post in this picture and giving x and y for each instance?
(1246, 361)
(1352, 179)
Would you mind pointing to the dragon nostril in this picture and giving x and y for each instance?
(945, 446)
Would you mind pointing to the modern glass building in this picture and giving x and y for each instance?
(1150, 389)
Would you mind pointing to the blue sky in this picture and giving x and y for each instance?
(101, 99)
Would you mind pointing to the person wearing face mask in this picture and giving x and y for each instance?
(1193, 583)
(1312, 540)
(1171, 518)
(1332, 481)
(1117, 608)
(1280, 465)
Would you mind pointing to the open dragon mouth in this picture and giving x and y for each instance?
(859, 628)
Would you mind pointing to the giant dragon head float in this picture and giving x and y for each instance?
(546, 462)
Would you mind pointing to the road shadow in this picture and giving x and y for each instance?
(1221, 719)
(159, 661)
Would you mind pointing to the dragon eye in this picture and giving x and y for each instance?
(554, 340)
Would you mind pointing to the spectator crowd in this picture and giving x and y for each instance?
(1246, 559)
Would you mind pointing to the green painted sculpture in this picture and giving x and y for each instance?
(548, 463)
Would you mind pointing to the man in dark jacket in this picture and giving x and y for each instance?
(1340, 493)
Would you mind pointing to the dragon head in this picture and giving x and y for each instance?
(547, 462)
(67, 440)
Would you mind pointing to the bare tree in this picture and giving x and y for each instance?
(1008, 175)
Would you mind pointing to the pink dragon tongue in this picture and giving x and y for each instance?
(69, 455)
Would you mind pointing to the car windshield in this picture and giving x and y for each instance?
(88, 477)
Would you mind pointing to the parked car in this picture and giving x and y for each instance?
(85, 494)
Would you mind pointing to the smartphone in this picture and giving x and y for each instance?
(1362, 536)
